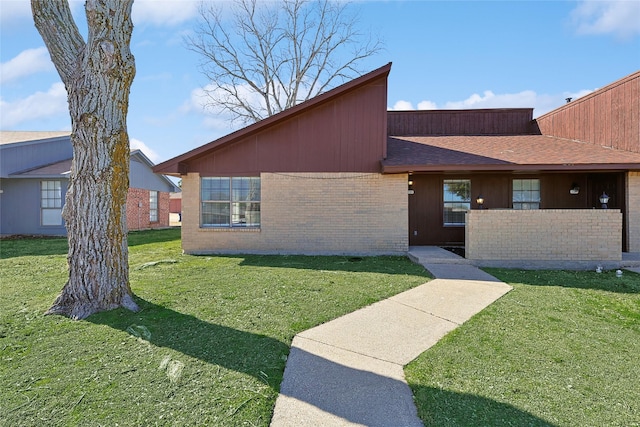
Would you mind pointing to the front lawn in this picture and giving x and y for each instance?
(208, 348)
(562, 348)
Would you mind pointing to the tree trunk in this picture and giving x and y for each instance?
(98, 76)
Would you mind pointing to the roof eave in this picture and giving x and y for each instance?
(509, 167)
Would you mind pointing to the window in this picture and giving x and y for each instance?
(153, 206)
(526, 194)
(51, 203)
(230, 202)
(457, 201)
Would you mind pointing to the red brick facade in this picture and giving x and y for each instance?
(138, 210)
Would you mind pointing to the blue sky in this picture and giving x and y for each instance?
(445, 54)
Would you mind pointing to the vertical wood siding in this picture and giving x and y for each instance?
(609, 117)
(346, 134)
(516, 121)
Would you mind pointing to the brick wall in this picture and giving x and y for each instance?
(549, 234)
(633, 211)
(138, 210)
(310, 213)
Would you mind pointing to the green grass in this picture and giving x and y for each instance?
(562, 348)
(208, 348)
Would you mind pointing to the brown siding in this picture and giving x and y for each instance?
(426, 205)
(346, 134)
(608, 117)
(517, 121)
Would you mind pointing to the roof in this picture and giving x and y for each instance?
(496, 153)
(171, 166)
(53, 170)
(12, 137)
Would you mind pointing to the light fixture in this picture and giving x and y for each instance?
(604, 199)
(410, 182)
(575, 188)
(480, 201)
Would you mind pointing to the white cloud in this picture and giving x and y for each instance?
(164, 12)
(27, 62)
(618, 17)
(426, 105)
(541, 103)
(14, 11)
(490, 100)
(136, 144)
(214, 118)
(40, 105)
(402, 105)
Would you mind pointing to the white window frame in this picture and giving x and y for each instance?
(153, 206)
(235, 201)
(51, 203)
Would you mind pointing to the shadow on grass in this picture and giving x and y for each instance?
(258, 355)
(18, 246)
(144, 237)
(33, 246)
(629, 283)
(441, 408)
(361, 264)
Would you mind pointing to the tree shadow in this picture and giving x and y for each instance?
(143, 237)
(442, 408)
(386, 264)
(29, 245)
(367, 398)
(18, 246)
(253, 354)
(628, 283)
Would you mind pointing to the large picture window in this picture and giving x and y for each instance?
(457, 201)
(51, 203)
(526, 194)
(230, 202)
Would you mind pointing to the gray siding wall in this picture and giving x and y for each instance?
(141, 176)
(23, 156)
(20, 208)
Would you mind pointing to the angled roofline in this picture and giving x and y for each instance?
(510, 167)
(171, 166)
(140, 155)
(9, 138)
(593, 94)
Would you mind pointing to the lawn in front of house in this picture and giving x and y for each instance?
(208, 348)
(562, 348)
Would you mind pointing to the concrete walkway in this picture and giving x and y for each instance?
(349, 372)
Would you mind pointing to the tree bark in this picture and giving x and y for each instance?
(98, 75)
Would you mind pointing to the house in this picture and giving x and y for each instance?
(34, 175)
(341, 174)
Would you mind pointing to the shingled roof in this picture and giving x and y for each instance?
(501, 153)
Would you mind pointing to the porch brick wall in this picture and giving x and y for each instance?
(138, 210)
(547, 234)
(310, 213)
(633, 211)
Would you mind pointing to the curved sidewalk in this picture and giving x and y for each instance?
(349, 371)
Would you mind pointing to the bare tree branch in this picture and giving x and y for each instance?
(271, 56)
(60, 33)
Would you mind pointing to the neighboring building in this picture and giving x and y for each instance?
(340, 174)
(34, 175)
